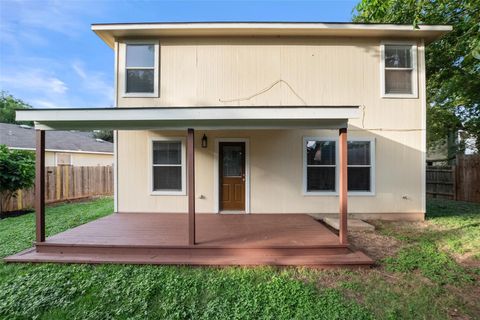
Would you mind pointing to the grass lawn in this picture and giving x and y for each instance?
(432, 273)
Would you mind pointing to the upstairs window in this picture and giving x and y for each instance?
(399, 70)
(141, 69)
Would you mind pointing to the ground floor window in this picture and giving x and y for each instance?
(168, 166)
(321, 162)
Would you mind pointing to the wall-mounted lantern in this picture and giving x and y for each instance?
(204, 141)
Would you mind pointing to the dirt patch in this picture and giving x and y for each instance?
(467, 260)
(375, 245)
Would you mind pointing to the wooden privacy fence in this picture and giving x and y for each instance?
(458, 182)
(64, 183)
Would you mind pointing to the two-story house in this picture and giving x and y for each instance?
(264, 118)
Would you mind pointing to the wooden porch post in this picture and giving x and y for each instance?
(40, 185)
(191, 185)
(343, 185)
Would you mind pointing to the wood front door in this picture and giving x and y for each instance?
(232, 176)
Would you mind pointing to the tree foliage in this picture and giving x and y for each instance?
(106, 135)
(17, 171)
(8, 104)
(452, 62)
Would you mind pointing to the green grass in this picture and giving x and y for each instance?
(421, 281)
(453, 231)
(460, 224)
(18, 233)
(49, 291)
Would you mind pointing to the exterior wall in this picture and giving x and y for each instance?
(276, 169)
(321, 71)
(81, 159)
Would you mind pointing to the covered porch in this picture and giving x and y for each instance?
(191, 238)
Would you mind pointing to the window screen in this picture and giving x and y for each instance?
(167, 166)
(399, 69)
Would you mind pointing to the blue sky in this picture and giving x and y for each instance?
(49, 57)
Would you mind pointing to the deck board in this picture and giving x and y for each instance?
(212, 230)
(158, 238)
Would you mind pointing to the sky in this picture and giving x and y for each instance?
(50, 58)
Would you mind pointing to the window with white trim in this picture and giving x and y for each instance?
(321, 161)
(167, 166)
(141, 69)
(399, 70)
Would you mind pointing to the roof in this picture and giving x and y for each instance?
(181, 118)
(109, 31)
(23, 137)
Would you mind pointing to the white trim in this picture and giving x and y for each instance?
(335, 193)
(107, 32)
(414, 69)
(182, 118)
(115, 170)
(65, 151)
(152, 192)
(216, 188)
(115, 74)
(423, 146)
(265, 25)
(115, 132)
(156, 71)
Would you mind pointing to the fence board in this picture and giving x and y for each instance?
(457, 182)
(468, 173)
(67, 183)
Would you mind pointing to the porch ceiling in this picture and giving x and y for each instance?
(181, 118)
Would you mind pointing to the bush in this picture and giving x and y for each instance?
(17, 171)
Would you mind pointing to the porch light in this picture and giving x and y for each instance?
(204, 141)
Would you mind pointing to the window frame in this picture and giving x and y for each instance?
(155, 68)
(337, 176)
(414, 69)
(151, 166)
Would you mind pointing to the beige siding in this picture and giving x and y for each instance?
(276, 168)
(208, 71)
(81, 159)
(205, 72)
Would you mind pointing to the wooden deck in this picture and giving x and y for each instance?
(156, 238)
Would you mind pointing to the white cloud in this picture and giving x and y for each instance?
(93, 82)
(44, 104)
(31, 70)
(33, 80)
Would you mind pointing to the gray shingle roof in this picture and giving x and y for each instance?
(15, 136)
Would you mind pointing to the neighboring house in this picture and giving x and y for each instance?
(251, 118)
(63, 147)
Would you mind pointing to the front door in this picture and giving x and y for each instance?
(232, 176)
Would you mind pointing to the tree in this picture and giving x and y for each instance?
(8, 104)
(106, 135)
(452, 62)
(17, 171)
